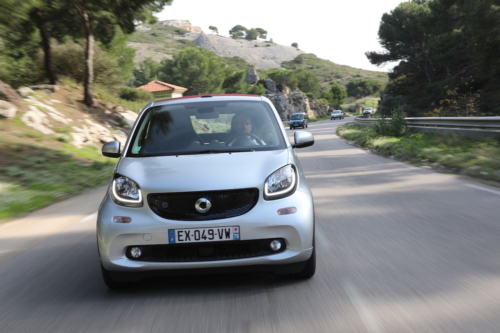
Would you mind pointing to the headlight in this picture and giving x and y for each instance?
(126, 192)
(280, 183)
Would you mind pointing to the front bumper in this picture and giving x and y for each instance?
(261, 222)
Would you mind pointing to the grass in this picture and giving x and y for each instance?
(41, 176)
(475, 158)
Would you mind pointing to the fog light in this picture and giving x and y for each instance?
(275, 245)
(135, 252)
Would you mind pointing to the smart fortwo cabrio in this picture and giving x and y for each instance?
(206, 184)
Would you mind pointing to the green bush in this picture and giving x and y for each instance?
(396, 126)
(133, 94)
(69, 60)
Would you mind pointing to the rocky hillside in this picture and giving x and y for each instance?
(261, 54)
(160, 40)
(55, 116)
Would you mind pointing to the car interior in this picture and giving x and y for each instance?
(196, 127)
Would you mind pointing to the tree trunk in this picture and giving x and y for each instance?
(89, 60)
(47, 50)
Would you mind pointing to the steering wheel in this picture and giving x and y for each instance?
(240, 135)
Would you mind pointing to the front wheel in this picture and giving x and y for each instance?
(309, 268)
(108, 280)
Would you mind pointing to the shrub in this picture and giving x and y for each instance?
(69, 59)
(133, 94)
(396, 126)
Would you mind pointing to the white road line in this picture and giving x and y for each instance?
(483, 189)
(369, 319)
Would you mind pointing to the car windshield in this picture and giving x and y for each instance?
(337, 112)
(206, 128)
(368, 109)
(297, 117)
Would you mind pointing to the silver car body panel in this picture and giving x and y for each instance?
(188, 173)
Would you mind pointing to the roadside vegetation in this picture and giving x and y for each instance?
(475, 158)
(34, 176)
(447, 58)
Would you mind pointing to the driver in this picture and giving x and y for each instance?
(241, 124)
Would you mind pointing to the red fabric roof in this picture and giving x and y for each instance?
(155, 86)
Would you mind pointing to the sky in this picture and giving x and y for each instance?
(340, 31)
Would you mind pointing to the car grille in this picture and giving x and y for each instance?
(225, 204)
(211, 251)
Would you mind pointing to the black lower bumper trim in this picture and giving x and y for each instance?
(274, 269)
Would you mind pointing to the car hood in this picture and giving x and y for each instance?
(188, 173)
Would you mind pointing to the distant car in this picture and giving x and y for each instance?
(368, 111)
(187, 195)
(337, 114)
(298, 120)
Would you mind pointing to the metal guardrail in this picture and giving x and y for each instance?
(472, 127)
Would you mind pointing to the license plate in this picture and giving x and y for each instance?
(203, 234)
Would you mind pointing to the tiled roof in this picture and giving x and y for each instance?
(155, 86)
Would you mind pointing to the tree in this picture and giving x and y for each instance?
(405, 35)
(102, 16)
(234, 84)
(363, 87)
(262, 33)
(295, 45)
(285, 77)
(214, 29)
(252, 34)
(335, 94)
(238, 31)
(147, 71)
(307, 82)
(24, 17)
(197, 69)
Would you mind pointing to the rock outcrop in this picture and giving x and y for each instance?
(7, 93)
(288, 102)
(43, 116)
(7, 110)
(183, 24)
(251, 77)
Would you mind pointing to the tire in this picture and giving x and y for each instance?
(309, 269)
(110, 283)
(291, 127)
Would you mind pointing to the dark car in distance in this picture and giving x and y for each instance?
(298, 120)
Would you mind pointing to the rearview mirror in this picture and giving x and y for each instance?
(207, 113)
(303, 139)
(111, 149)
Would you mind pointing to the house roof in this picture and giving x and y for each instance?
(155, 86)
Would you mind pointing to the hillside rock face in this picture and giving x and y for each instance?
(288, 102)
(261, 54)
(251, 77)
(183, 24)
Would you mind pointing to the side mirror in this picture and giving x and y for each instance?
(111, 149)
(303, 139)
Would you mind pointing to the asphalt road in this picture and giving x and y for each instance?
(400, 249)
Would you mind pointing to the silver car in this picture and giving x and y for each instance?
(206, 184)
